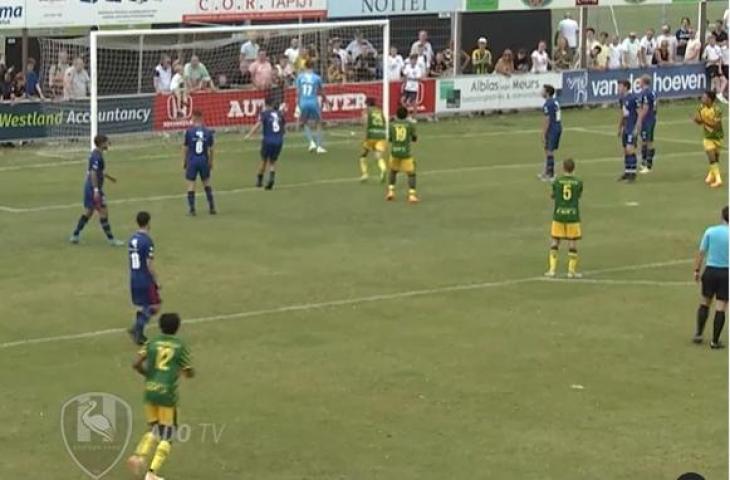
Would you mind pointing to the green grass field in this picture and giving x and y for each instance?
(337, 336)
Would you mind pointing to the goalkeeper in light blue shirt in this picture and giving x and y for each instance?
(309, 89)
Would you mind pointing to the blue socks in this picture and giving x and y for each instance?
(630, 163)
(550, 166)
(650, 157)
(83, 220)
(107, 228)
(318, 139)
(209, 196)
(191, 201)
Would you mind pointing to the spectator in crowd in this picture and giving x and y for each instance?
(222, 82)
(594, 59)
(163, 75)
(693, 53)
(450, 57)
(423, 58)
(6, 82)
(76, 81)
(395, 65)
(57, 73)
(33, 88)
(647, 47)
(630, 52)
(336, 49)
(540, 58)
(683, 36)
(358, 46)
(720, 33)
(671, 39)
(313, 53)
(562, 55)
(302, 59)
(413, 72)
(663, 55)
(440, 67)
(284, 71)
(366, 67)
(196, 75)
(604, 41)
(261, 71)
(177, 88)
(712, 57)
(481, 58)
(591, 41)
(293, 51)
(17, 86)
(335, 70)
(249, 52)
(569, 29)
(505, 65)
(423, 47)
(615, 54)
(522, 61)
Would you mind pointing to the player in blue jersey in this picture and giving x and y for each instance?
(628, 121)
(309, 89)
(274, 127)
(198, 160)
(142, 277)
(94, 198)
(647, 123)
(552, 129)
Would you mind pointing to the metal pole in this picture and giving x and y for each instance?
(140, 65)
(456, 38)
(94, 93)
(24, 50)
(582, 19)
(702, 23)
(386, 81)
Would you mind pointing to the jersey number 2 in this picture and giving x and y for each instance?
(164, 355)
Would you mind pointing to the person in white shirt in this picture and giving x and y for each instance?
(413, 72)
(671, 40)
(540, 59)
(630, 51)
(395, 65)
(712, 56)
(568, 28)
(694, 47)
(358, 46)
(292, 53)
(613, 61)
(249, 52)
(177, 89)
(57, 73)
(76, 81)
(591, 41)
(647, 46)
(423, 43)
(163, 75)
(341, 53)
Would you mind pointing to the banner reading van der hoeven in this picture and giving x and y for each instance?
(582, 87)
(37, 120)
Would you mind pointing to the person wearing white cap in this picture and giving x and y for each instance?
(481, 58)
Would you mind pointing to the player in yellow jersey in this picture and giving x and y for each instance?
(566, 193)
(709, 116)
(402, 134)
(375, 140)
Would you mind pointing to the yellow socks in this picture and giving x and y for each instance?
(382, 165)
(145, 445)
(553, 260)
(572, 261)
(163, 450)
(715, 172)
(364, 166)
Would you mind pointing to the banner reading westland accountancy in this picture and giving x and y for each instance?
(242, 107)
(380, 8)
(493, 92)
(583, 87)
(39, 120)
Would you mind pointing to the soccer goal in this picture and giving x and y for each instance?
(215, 70)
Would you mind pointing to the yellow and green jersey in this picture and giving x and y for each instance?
(711, 121)
(567, 191)
(166, 356)
(376, 124)
(402, 133)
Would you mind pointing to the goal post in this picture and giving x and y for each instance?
(350, 56)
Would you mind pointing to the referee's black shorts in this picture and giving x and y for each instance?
(715, 283)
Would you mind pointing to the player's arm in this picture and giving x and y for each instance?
(139, 362)
(211, 155)
(188, 372)
(414, 136)
(545, 126)
(643, 110)
(700, 256)
(185, 154)
(253, 130)
(151, 269)
(621, 121)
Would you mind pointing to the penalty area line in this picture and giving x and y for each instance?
(304, 307)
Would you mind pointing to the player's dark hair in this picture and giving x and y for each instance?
(646, 79)
(549, 89)
(100, 140)
(591, 29)
(169, 323)
(725, 214)
(625, 83)
(711, 95)
(309, 65)
(370, 102)
(401, 113)
(568, 165)
(197, 115)
(143, 219)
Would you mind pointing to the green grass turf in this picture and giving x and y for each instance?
(445, 383)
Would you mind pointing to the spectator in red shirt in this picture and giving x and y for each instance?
(262, 74)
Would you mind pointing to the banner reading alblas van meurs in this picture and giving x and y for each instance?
(584, 87)
(37, 120)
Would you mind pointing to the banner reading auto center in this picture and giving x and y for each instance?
(493, 92)
(242, 107)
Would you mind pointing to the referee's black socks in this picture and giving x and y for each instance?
(717, 327)
(702, 313)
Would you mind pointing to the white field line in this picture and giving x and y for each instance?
(596, 281)
(303, 307)
(328, 181)
(658, 139)
(347, 138)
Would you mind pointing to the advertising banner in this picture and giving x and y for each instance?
(38, 120)
(242, 107)
(583, 87)
(12, 14)
(382, 8)
(507, 5)
(208, 11)
(493, 92)
(70, 13)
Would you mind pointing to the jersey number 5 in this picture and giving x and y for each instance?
(164, 355)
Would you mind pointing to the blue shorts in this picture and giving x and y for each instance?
(552, 139)
(647, 131)
(89, 199)
(197, 168)
(309, 111)
(145, 295)
(628, 138)
(271, 151)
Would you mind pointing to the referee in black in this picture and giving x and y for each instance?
(713, 254)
